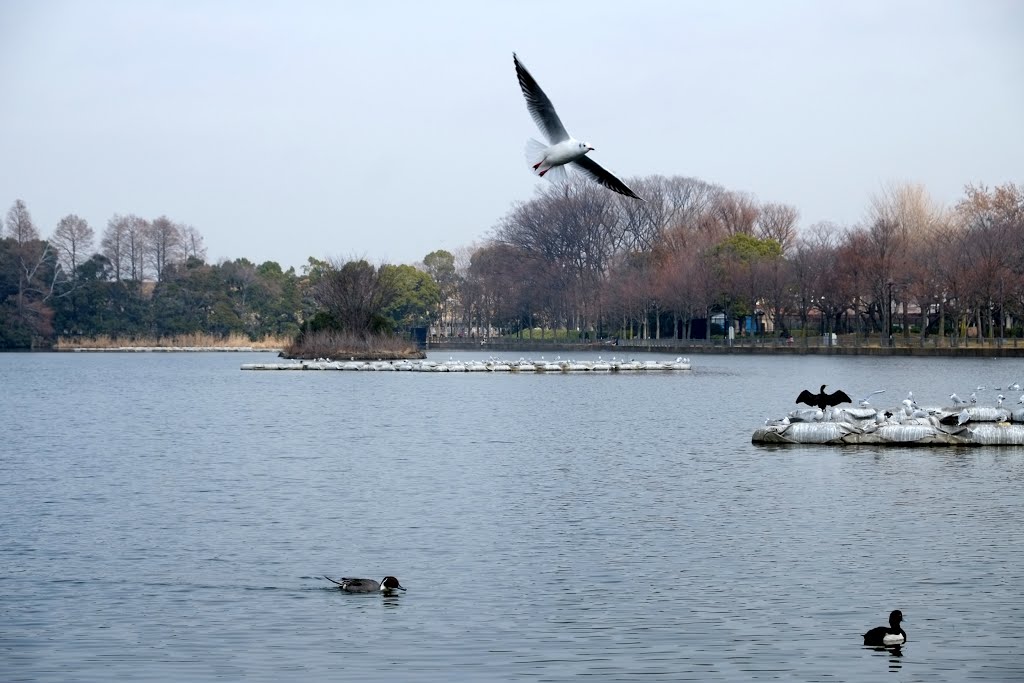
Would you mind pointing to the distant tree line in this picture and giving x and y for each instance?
(575, 258)
(149, 279)
(581, 259)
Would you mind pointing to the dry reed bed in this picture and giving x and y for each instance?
(181, 341)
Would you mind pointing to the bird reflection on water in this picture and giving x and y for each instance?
(893, 653)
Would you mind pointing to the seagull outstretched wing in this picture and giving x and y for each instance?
(541, 108)
(599, 175)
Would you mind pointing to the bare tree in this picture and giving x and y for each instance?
(571, 228)
(113, 244)
(19, 223)
(900, 215)
(73, 240)
(778, 222)
(163, 242)
(123, 243)
(993, 229)
(854, 262)
(673, 281)
(670, 204)
(137, 235)
(501, 284)
(735, 213)
(631, 286)
(35, 263)
(924, 271)
(988, 245)
(908, 207)
(812, 256)
(192, 243)
(777, 291)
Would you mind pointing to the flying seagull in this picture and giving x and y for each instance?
(562, 148)
(821, 399)
(866, 401)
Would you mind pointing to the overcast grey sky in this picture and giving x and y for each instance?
(283, 130)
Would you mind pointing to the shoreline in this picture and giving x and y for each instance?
(1009, 349)
(165, 349)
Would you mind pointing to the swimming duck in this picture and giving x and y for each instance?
(387, 586)
(887, 635)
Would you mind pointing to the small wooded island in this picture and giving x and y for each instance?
(334, 344)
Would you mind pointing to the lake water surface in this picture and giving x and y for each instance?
(168, 517)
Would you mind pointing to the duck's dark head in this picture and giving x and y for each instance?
(895, 617)
(390, 583)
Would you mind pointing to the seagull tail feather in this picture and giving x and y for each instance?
(557, 174)
(535, 151)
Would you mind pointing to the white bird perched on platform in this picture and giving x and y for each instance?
(563, 148)
(957, 401)
(963, 417)
(865, 402)
(911, 409)
(974, 397)
(1021, 399)
(999, 400)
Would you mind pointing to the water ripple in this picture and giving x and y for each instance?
(171, 519)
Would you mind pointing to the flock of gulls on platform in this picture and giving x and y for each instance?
(492, 364)
(965, 421)
(825, 408)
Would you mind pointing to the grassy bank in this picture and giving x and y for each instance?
(194, 340)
